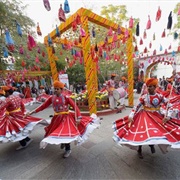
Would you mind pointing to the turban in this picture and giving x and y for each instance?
(6, 88)
(151, 82)
(123, 78)
(2, 92)
(113, 75)
(58, 84)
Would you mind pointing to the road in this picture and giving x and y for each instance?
(98, 158)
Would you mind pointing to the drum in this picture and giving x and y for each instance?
(119, 93)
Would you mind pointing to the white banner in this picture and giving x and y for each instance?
(64, 79)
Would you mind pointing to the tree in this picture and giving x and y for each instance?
(11, 13)
(76, 73)
(117, 14)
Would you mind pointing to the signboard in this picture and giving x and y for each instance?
(64, 79)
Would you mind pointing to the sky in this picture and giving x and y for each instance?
(136, 8)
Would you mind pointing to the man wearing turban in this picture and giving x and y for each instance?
(65, 126)
(13, 120)
(144, 125)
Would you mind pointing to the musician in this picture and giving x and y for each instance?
(110, 87)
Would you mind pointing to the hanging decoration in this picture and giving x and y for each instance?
(5, 52)
(38, 50)
(21, 50)
(154, 37)
(78, 20)
(110, 32)
(38, 30)
(82, 32)
(47, 5)
(137, 29)
(158, 14)
(96, 48)
(119, 30)
(43, 54)
(144, 35)
(114, 37)
(61, 14)
(169, 24)
(148, 26)
(66, 7)
(145, 50)
(74, 25)
(37, 60)
(141, 41)
(80, 39)
(163, 34)
(175, 35)
(29, 48)
(150, 45)
(154, 52)
(93, 32)
(173, 53)
(161, 48)
(131, 22)
(169, 47)
(31, 41)
(135, 48)
(126, 33)
(178, 49)
(19, 31)
(57, 31)
(49, 40)
(23, 64)
(9, 41)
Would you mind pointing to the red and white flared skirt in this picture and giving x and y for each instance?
(14, 127)
(63, 129)
(146, 129)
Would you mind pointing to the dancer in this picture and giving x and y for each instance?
(65, 126)
(145, 124)
(14, 126)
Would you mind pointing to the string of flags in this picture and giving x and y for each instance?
(105, 49)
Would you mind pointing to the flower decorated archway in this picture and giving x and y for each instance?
(90, 63)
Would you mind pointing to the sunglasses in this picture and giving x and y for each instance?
(57, 88)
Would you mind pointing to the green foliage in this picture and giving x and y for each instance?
(76, 73)
(176, 27)
(11, 11)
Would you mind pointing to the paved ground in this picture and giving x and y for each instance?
(98, 158)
